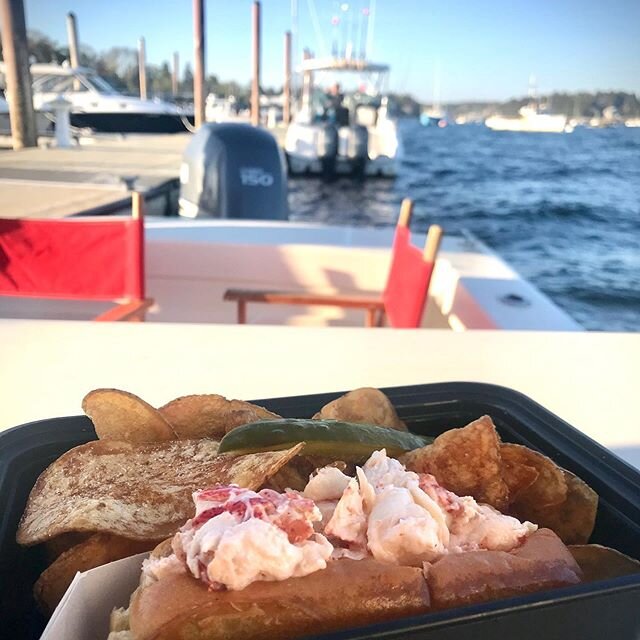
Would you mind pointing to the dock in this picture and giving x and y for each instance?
(93, 177)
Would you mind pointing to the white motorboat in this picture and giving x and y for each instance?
(433, 118)
(350, 133)
(96, 105)
(221, 109)
(190, 264)
(531, 119)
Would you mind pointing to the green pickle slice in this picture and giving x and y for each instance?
(346, 441)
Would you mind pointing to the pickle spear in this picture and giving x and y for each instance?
(346, 441)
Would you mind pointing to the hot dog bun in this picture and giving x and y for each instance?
(542, 562)
(348, 593)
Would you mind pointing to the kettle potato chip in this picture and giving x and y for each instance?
(120, 415)
(466, 461)
(98, 549)
(210, 415)
(574, 518)
(601, 563)
(365, 406)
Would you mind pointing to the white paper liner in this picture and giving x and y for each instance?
(83, 612)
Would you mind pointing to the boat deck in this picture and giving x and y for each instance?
(190, 264)
(92, 177)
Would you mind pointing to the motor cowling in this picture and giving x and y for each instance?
(233, 170)
(354, 145)
(327, 147)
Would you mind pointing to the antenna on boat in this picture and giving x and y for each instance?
(316, 27)
(335, 21)
(371, 28)
(348, 54)
(362, 35)
(344, 7)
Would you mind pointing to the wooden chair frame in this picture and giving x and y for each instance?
(130, 310)
(373, 306)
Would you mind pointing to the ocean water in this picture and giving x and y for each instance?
(562, 209)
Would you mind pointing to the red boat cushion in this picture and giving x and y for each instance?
(94, 259)
(407, 283)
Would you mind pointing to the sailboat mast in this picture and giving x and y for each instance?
(436, 86)
(533, 91)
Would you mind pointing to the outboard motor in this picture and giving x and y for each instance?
(327, 148)
(354, 146)
(233, 170)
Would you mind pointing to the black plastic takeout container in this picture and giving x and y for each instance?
(606, 609)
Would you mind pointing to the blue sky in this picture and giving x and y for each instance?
(483, 49)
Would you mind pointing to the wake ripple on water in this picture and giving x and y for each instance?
(563, 210)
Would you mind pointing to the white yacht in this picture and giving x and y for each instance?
(531, 119)
(224, 109)
(343, 133)
(96, 105)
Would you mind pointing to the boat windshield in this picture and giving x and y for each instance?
(73, 83)
(58, 84)
(101, 85)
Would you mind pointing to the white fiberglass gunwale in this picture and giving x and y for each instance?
(472, 288)
(191, 263)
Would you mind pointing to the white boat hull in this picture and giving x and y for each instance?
(303, 142)
(304, 165)
(191, 263)
(541, 123)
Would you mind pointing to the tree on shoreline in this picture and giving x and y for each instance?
(119, 66)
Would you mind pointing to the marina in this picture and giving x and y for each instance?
(242, 261)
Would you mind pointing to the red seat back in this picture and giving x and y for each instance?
(407, 283)
(73, 258)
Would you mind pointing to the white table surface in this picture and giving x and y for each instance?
(591, 380)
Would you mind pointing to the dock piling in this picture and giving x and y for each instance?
(198, 70)
(175, 75)
(255, 79)
(286, 88)
(72, 38)
(18, 77)
(142, 68)
(74, 47)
